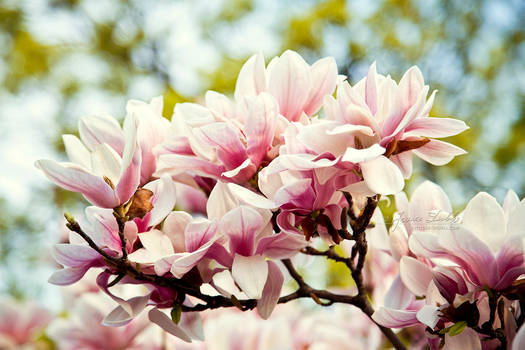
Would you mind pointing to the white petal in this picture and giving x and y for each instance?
(250, 273)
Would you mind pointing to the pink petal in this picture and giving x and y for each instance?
(163, 199)
(219, 104)
(426, 245)
(415, 275)
(174, 227)
(484, 217)
(382, 176)
(225, 140)
(250, 197)
(298, 194)
(198, 233)
(76, 179)
(242, 173)
(392, 318)
(410, 86)
(119, 317)
(398, 241)
(398, 296)
(184, 262)
(157, 243)
(131, 161)
(260, 125)
(324, 77)
(163, 321)
(271, 292)
(174, 164)
(371, 89)
(71, 255)
(281, 246)
(404, 163)
(290, 83)
(250, 273)
(354, 155)
(435, 127)
(97, 130)
(427, 197)
(68, 275)
(438, 152)
(251, 80)
(241, 225)
(475, 256)
(191, 323)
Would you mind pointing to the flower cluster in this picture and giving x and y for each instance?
(456, 272)
(297, 153)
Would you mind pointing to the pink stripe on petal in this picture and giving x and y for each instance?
(77, 179)
(435, 127)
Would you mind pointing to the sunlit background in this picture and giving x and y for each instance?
(65, 59)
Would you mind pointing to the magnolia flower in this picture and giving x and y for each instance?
(298, 88)
(251, 241)
(20, 324)
(181, 245)
(105, 178)
(373, 128)
(108, 164)
(487, 244)
(304, 201)
(220, 146)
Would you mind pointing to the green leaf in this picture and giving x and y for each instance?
(176, 313)
(457, 328)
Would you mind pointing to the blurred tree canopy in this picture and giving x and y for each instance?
(65, 58)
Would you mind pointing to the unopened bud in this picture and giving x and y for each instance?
(140, 204)
(70, 219)
(176, 313)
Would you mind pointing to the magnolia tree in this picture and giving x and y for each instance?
(294, 164)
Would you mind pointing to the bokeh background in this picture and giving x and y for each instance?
(64, 59)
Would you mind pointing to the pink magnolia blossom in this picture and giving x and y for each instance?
(487, 244)
(104, 177)
(182, 244)
(108, 164)
(251, 241)
(298, 88)
(220, 145)
(373, 128)
(20, 324)
(301, 195)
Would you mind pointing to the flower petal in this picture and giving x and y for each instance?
(382, 176)
(250, 273)
(241, 225)
(415, 275)
(485, 218)
(438, 152)
(75, 178)
(163, 321)
(271, 292)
